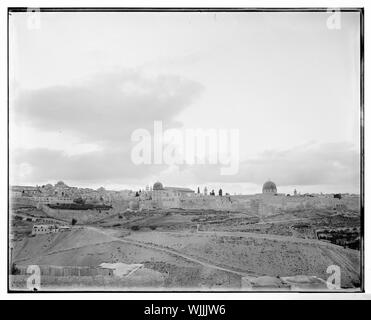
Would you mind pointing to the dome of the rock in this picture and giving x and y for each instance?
(269, 187)
(158, 186)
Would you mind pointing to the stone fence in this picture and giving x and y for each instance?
(64, 271)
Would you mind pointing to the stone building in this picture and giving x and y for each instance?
(164, 197)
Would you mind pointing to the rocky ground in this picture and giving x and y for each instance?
(192, 250)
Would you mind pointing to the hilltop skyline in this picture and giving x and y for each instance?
(215, 187)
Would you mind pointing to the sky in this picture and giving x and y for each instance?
(82, 83)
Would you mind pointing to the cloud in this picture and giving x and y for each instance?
(309, 164)
(109, 166)
(334, 164)
(107, 107)
(101, 111)
(313, 164)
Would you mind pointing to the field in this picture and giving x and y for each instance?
(191, 250)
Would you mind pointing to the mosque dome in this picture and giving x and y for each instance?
(269, 187)
(134, 205)
(60, 184)
(158, 186)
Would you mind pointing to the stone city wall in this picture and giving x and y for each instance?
(260, 204)
(65, 271)
(208, 203)
(81, 216)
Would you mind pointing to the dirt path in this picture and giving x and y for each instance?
(269, 237)
(283, 220)
(49, 253)
(172, 252)
(224, 233)
(147, 246)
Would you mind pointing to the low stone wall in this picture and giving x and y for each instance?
(65, 271)
(81, 216)
(142, 279)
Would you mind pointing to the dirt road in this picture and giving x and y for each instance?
(266, 237)
(270, 237)
(111, 238)
(263, 236)
(170, 251)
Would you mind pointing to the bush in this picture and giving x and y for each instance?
(153, 227)
(135, 228)
(73, 222)
(14, 270)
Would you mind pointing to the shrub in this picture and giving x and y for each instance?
(14, 269)
(135, 228)
(73, 222)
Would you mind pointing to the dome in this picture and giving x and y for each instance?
(269, 187)
(158, 186)
(60, 184)
(134, 205)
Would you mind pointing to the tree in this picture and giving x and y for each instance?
(14, 269)
(212, 193)
(73, 222)
(220, 192)
(198, 190)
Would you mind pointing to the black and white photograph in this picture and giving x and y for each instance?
(185, 150)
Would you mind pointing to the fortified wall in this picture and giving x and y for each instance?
(259, 204)
(81, 216)
(193, 203)
(264, 205)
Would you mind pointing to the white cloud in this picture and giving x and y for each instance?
(100, 110)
